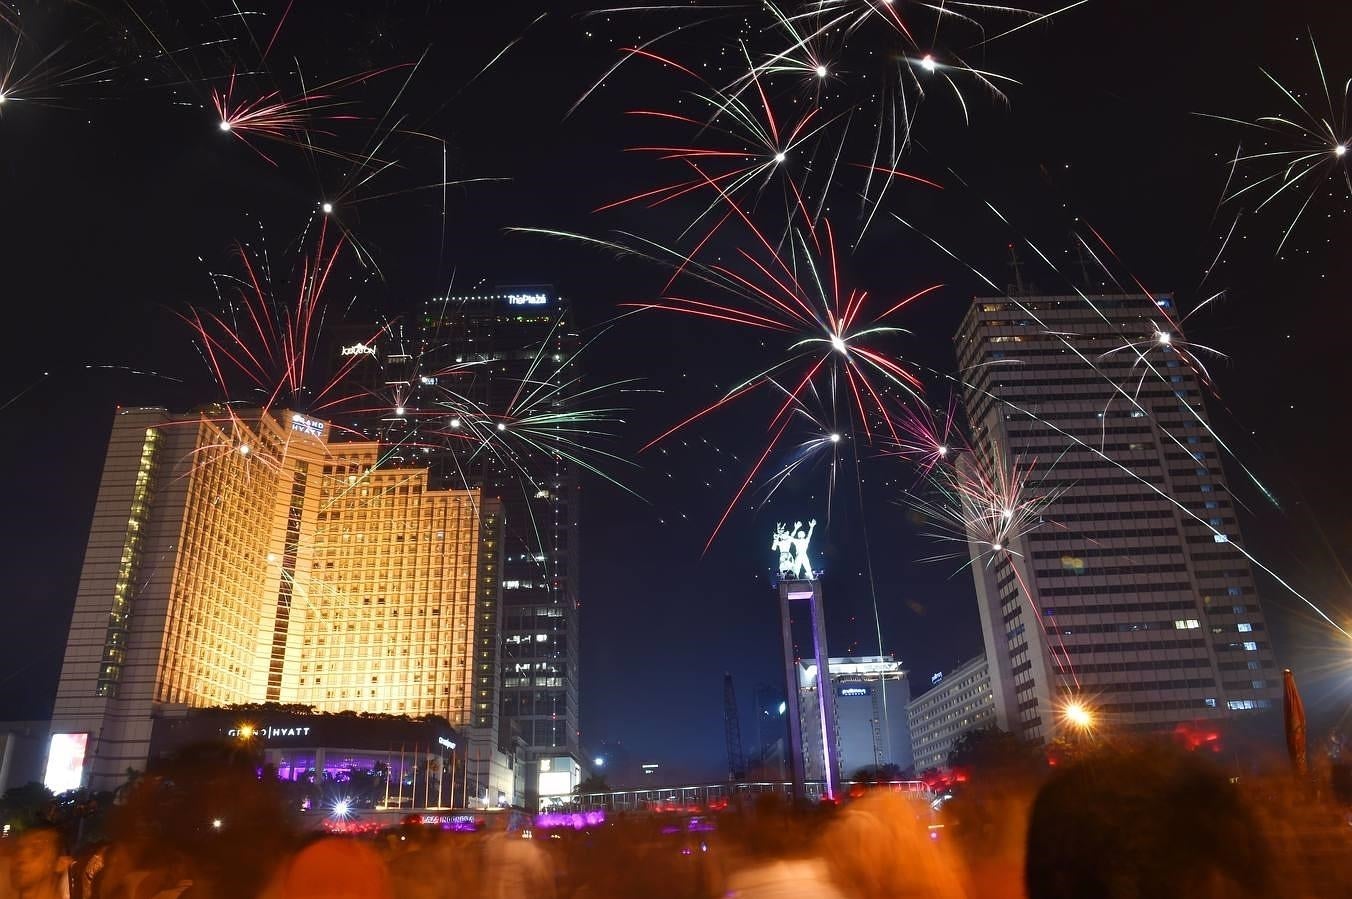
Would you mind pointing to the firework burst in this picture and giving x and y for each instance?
(41, 79)
(741, 149)
(265, 335)
(832, 341)
(1305, 149)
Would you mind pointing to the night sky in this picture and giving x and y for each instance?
(119, 194)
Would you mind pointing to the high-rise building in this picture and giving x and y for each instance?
(241, 557)
(1121, 599)
(481, 365)
(959, 701)
(871, 693)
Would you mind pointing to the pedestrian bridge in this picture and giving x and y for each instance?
(708, 797)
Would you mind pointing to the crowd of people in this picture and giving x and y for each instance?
(1133, 823)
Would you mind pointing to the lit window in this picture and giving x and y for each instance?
(1244, 627)
(1250, 646)
(1220, 538)
(1186, 624)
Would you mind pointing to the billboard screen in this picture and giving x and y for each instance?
(65, 762)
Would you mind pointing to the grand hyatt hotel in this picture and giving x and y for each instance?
(240, 557)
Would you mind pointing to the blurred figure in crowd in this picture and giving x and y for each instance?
(40, 865)
(333, 868)
(881, 848)
(516, 868)
(776, 859)
(1146, 824)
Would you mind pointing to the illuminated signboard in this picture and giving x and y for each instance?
(854, 691)
(936, 677)
(527, 299)
(267, 732)
(446, 743)
(357, 349)
(65, 762)
(307, 425)
(575, 820)
(466, 823)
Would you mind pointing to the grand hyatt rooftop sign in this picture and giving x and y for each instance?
(266, 732)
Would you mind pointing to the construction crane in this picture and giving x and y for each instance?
(732, 728)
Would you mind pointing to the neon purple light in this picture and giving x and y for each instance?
(575, 820)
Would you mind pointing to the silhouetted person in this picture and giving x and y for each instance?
(40, 863)
(333, 868)
(1145, 824)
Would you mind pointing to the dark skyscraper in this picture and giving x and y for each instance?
(1129, 594)
(448, 388)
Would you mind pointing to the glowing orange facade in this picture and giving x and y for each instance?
(242, 557)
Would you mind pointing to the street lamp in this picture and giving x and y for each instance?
(1078, 715)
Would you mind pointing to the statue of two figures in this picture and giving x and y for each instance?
(791, 544)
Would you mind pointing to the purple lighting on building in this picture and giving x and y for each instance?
(575, 820)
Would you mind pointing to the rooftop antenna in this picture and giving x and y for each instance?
(732, 728)
(1016, 269)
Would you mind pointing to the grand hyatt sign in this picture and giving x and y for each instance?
(267, 732)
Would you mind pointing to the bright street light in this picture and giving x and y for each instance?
(1078, 715)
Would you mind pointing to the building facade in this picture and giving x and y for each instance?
(367, 762)
(23, 753)
(870, 730)
(486, 365)
(241, 557)
(959, 702)
(1127, 595)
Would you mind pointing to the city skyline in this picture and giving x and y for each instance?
(112, 213)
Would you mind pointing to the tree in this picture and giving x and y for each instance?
(993, 753)
(593, 784)
(875, 774)
(26, 805)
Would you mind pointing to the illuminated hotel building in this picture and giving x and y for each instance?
(1121, 598)
(486, 351)
(241, 557)
(957, 702)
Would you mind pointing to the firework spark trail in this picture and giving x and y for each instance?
(44, 80)
(1172, 340)
(834, 337)
(832, 355)
(814, 46)
(1161, 338)
(753, 149)
(1312, 149)
(987, 508)
(293, 121)
(927, 438)
(1097, 453)
(268, 340)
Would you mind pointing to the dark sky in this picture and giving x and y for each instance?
(117, 198)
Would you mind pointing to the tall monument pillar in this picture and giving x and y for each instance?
(798, 584)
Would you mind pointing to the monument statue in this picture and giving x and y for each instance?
(791, 544)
